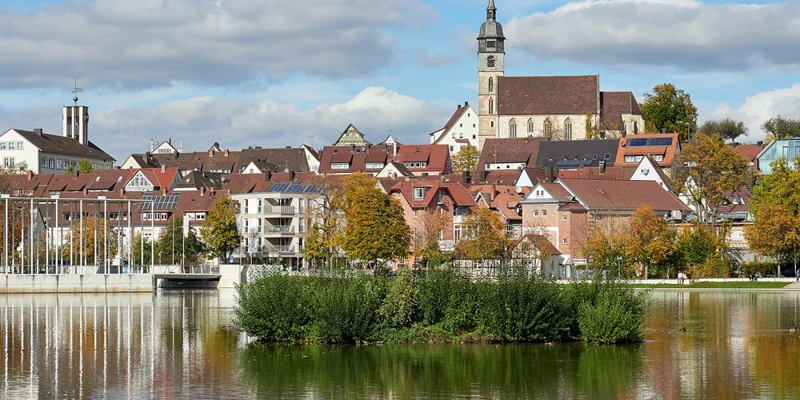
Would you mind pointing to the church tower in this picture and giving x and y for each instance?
(75, 120)
(491, 65)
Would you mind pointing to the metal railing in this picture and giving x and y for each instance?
(284, 210)
(278, 229)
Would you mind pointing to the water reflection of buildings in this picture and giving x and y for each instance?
(111, 346)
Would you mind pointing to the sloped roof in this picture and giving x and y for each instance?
(505, 199)
(541, 95)
(623, 195)
(532, 237)
(666, 145)
(452, 121)
(460, 195)
(54, 144)
(613, 105)
(571, 154)
(748, 151)
(351, 135)
(293, 159)
(518, 150)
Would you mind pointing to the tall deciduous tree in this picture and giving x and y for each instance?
(605, 246)
(781, 128)
(219, 230)
(707, 173)
(326, 221)
(726, 127)
(172, 245)
(669, 109)
(466, 159)
(429, 225)
(776, 210)
(376, 228)
(98, 236)
(650, 241)
(483, 237)
(85, 167)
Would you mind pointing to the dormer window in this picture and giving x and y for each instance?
(419, 193)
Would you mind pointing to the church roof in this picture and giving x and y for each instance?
(613, 105)
(542, 95)
(54, 144)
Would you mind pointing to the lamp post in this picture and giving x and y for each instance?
(619, 267)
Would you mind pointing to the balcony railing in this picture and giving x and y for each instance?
(282, 249)
(283, 229)
(284, 210)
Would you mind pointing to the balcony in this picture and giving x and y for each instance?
(251, 210)
(279, 230)
(282, 210)
(281, 249)
(458, 219)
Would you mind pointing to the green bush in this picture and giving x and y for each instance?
(767, 269)
(273, 307)
(615, 316)
(436, 305)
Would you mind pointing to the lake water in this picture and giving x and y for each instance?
(183, 345)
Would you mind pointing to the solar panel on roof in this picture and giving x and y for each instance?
(295, 188)
(637, 142)
(660, 141)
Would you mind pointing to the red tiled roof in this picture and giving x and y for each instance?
(519, 150)
(540, 95)
(623, 195)
(460, 195)
(748, 151)
(668, 152)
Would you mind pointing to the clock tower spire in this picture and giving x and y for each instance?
(491, 65)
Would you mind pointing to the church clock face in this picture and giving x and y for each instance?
(490, 61)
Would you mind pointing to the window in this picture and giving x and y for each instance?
(2, 145)
(419, 193)
(659, 158)
(490, 61)
(535, 213)
(52, 163)
(201, 216)
(635, 128)
(491, 44)
(563, 217)
(785, 152)
(512, 129)
(8, 161)
(44, 162)
(491, 124)
(491, 106)
(563, 241)
(340, 165)
(630, 158)
(460, 125)
(530, 125)
(375, 165)
(415, 213)
(451, 148)
(548, 127)
(461, 135)
(607, 156)
(473, 136)
(491, 85)
(544, 213)
(567, 129)
(454, 135)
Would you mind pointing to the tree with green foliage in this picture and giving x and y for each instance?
(325, 218)
(781, 128)
(776, 211)
(726, 127)
(172, 245)
(85, 167)
(376, 228)
(651, 241)
(466, 160)
(707, 172)
(219, 230)
(669, 109)
(483, 237)
(142, 250)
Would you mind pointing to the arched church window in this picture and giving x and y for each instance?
(491, 124)
(491, 85)
(512, 129)
(491, 106)
(490, 61)
(530, 125)
(548, 127)
(567, 129)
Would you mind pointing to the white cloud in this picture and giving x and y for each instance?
(760, 107)
(147, 43)
(236, 124)
(683, 34)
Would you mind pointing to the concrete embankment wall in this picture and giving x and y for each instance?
(10, 284)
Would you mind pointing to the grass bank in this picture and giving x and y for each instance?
(718, 285)
(437, 306)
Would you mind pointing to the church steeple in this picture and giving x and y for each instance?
(491, 11)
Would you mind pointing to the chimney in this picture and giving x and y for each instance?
(164, 191)
(268, 176)
(760, 144)
(152, 146)
(548, 173)
(493, 195)
(459, 107)
(163, 168)
(225, 153)
(466, 104)
(465, 176)
(30, 175)
(291, 176)
(394, 149)
(288, 147)
(122, 191)
(602, 167)
(484, 175)
(75, 173)
(211, 152)
(180, 150)
(38, 131)
(202, 191)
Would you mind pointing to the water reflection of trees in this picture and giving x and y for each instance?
(439, 371)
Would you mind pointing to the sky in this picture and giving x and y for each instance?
(282, 73)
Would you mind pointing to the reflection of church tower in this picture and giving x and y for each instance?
(75, 121)
(491, 60)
